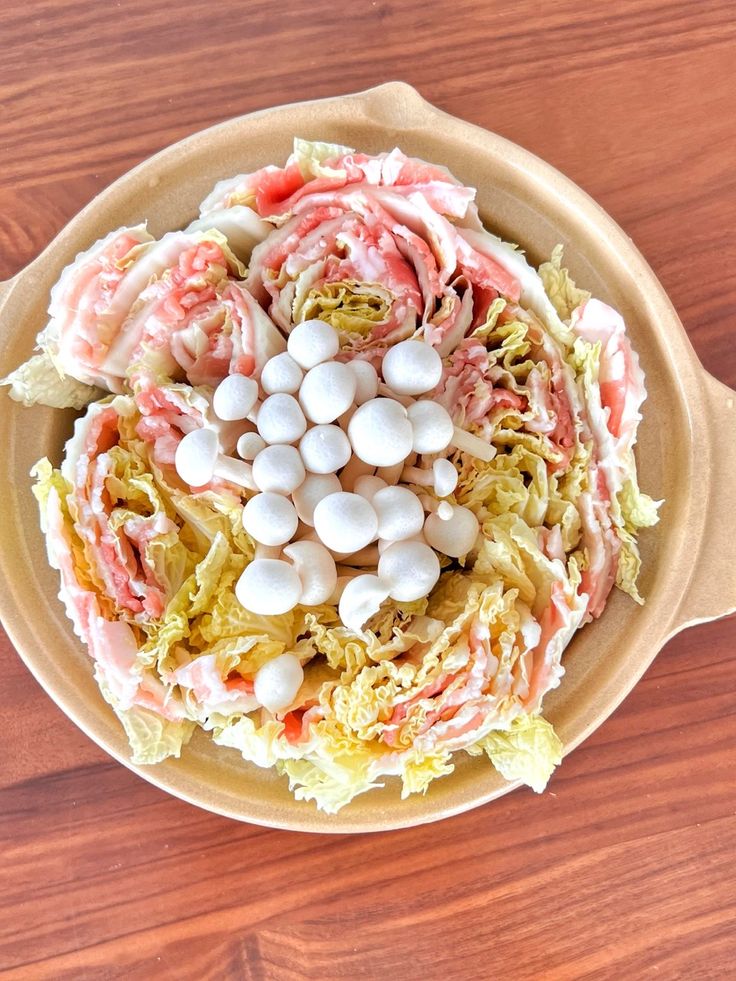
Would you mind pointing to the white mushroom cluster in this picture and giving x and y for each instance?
(329, 449)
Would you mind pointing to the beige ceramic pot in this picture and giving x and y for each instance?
(686, 451)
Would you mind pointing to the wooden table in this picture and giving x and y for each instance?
(624, 869)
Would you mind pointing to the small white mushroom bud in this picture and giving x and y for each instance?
(432, 426)
(368, 486)
(411, 368)
(366, 379)
(380, 432)
(312, 342)
(235, 397)
(280, 419)
(445, 477)
(270, 518)
(196, 456)
(400, 515)
(268, 587)
(324, 449)
(277, 682)
(308, 495)
(345, 522)
(281, 374)
(360, 600)
(316, 570)
(250, 445)
(327, 391)
(410, 570)
(456, 535)
(278, 468)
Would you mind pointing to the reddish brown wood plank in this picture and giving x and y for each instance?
(625, 868)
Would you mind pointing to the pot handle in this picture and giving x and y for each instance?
(711, 592)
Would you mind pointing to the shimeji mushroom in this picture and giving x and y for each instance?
(411, 368)
(278, 468)
(269, 587)
(366, 379)
(327, 391)
(312, 342)
(280, 419)
(345, 522)
(409, 569)
(324, 449)
(281, 374)
(368, 486)
(400, 514)
(270, 518)
(360, 600)
(431, 425)
(380, 432)
(353, 471)
(316, 570)
(250, 445)
(198, 460)
(454, 535)
(277, 682)
(235, 398)
(308, 495)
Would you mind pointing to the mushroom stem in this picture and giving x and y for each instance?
(391, 475)
(417, 475)
(366, 556)
(353, 469)
(385, 392)
(430, 504)
(235, 471)
(474, 445)
(267, 551)
(344, 575)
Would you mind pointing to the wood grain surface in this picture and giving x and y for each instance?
(625, 868)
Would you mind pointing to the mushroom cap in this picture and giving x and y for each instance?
(380, 432)
(196, 456)
(280, 419)
(250, 445)
(277, 682)
(268, 587)
(234, 397)
(400, 513)
(368, 486)
(366, 378)
(308, 495)
(409, 569)
(411, 368)
(278, 468)
(327, 391)
(456, 535)
(312, 342)
(360, 599)
(345, 522)
(445, 477)
(270, 519)
(432, 426)
(324, 449)
(316, 569)
(281, 374)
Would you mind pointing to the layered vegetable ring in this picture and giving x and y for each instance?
(383, 248)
